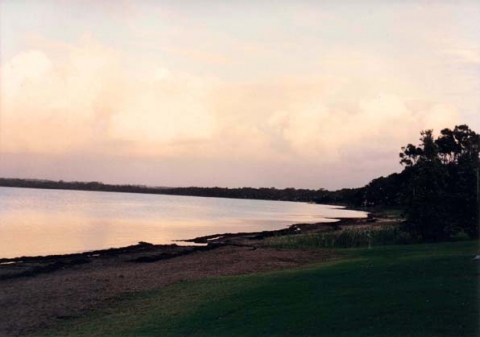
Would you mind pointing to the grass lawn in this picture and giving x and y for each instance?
(409, 290)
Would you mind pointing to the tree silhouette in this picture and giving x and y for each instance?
(441, 198)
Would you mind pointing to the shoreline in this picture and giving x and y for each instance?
(197, 242)
(39, 292)
(144, 252)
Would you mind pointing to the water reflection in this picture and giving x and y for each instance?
(41, 222)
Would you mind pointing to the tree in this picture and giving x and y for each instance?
(441, 197)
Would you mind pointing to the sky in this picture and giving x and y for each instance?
(303, 94)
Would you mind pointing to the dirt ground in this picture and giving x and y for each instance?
(28, 304)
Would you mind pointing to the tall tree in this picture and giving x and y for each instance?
(441, 197)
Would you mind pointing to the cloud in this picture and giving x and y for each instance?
(163, 110)
(92, 98)
(95, 100)
(379, 124)
(200, 55)
(465, 55)
(51, 107)
(29, 66)
(89, 99)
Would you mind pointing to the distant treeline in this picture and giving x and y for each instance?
(347, 196)
(76, 185)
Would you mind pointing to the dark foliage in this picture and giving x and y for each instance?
(441, 196)
(438, 189)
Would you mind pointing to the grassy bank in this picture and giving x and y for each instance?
(410, 290)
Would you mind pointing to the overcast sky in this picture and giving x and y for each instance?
(305, 94)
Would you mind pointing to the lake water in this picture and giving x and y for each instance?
(41, 222)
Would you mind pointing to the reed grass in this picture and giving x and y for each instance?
(346, 238)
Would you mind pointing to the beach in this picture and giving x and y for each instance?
(38, 292)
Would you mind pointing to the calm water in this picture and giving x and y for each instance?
(40, 222)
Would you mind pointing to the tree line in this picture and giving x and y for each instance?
(343, 196)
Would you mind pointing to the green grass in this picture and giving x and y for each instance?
(408, 290)
(346, 238)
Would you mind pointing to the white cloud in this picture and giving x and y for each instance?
(91, 99)
(380, 124)
(465, 55)
(43, 108)
(93, 102)
(25, 67)
(164, 110)
(86, 98)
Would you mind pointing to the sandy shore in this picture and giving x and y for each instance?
(38, 292)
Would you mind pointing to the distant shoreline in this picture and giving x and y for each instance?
(343, 197)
